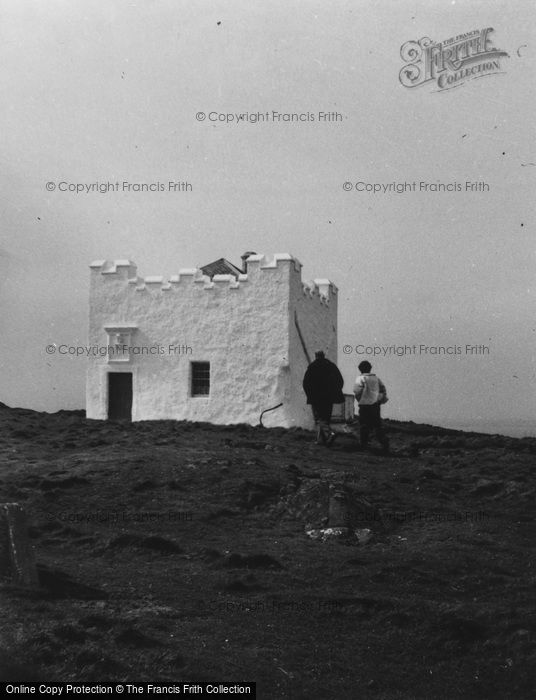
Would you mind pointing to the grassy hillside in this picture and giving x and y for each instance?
(178, 552)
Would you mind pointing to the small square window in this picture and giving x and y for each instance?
(200, 378)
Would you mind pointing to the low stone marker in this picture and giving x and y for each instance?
(17, 561)
(339, 512)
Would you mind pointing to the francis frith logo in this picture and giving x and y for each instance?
(451, 62)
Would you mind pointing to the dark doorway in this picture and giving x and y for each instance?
(120, 396)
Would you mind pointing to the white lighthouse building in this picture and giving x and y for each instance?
(217, 343)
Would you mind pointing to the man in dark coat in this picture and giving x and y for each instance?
(323, 384)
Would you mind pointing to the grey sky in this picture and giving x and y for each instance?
(109, 91)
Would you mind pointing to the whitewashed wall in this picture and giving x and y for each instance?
(314, 306)
(244, 328)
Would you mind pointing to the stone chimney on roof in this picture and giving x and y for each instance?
(244, 257)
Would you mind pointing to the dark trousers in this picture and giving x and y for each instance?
(370, 419)
(322, 411)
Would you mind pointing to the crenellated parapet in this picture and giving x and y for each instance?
(256, 265)
(322, 289)
(262, 262)
(122, 268)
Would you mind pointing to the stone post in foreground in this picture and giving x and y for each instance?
(17, 561)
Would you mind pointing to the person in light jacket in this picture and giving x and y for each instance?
(370, 393)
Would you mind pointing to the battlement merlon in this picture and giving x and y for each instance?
(264, 263)
(324, 289)
(124, 269)
(255, 264)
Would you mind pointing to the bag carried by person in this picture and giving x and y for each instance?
(382, 396)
